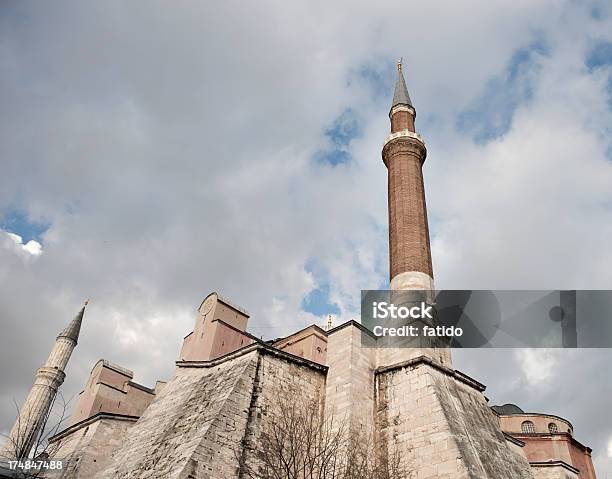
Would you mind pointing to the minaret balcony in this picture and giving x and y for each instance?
(404, 134)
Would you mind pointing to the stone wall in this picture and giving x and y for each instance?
(207, 421)
(166, 439)
(110, 389)
(88, 448)
(553, 471)
(219, 329)
(197, 425)
(350, 379)
(441, 426)
(309, 343)
(278, 377)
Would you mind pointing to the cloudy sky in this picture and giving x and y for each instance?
(152, 152)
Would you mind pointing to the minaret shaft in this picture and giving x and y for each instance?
(410, 266)
(409, 248)
(33, 413)
(60, 354)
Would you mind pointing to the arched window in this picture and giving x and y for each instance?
(552, 428)
(527, 427)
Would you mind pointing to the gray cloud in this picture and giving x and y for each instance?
(172, 150)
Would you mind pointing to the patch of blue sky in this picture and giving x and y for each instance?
(343, 130)
(17, 221)
(491, 114)
(333, 157)
(599, 55)
(598, 9)
(379, 79)
(317, 301)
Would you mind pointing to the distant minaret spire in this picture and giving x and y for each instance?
(74, 328)
(49, 378)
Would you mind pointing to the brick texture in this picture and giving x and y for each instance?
(402, 120)
(409, 248)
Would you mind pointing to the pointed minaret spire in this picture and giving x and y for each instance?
(402, 112)
(74, 328)
(401, 96)
(35, 410)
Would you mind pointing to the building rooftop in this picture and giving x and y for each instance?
(508, 410)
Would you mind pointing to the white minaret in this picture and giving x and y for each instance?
(36, 408)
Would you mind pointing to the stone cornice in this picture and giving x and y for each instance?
(537, 414)
(115, 367)
(404, 142)
(562, 464)
(227, 325)
(400, 107)
(354, 323)
(50, 377)
(90, 420)
(551, 436)
(513, 440)
(262, 348)
(453, 373)
(404, 134)
(141, 387)
(286, 341)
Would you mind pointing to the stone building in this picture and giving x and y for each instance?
(548, 441)
(206, 421)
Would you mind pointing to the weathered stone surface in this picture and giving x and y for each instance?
(277, 377)
(195, 425)
(207, 421)
(553, 471)
(350, 380)
(88, 449)
(199, 424)
(442, 427)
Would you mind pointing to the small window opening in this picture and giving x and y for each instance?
(528, 427)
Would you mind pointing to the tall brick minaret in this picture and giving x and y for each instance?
(435, 417)
(410, 266)
(35, 410)
(404, 153)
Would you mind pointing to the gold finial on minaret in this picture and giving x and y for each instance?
(330, 319)
(399, 64)
(86, 301)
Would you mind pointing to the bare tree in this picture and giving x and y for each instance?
(370, 459)
(297, 441)
(15, 447)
